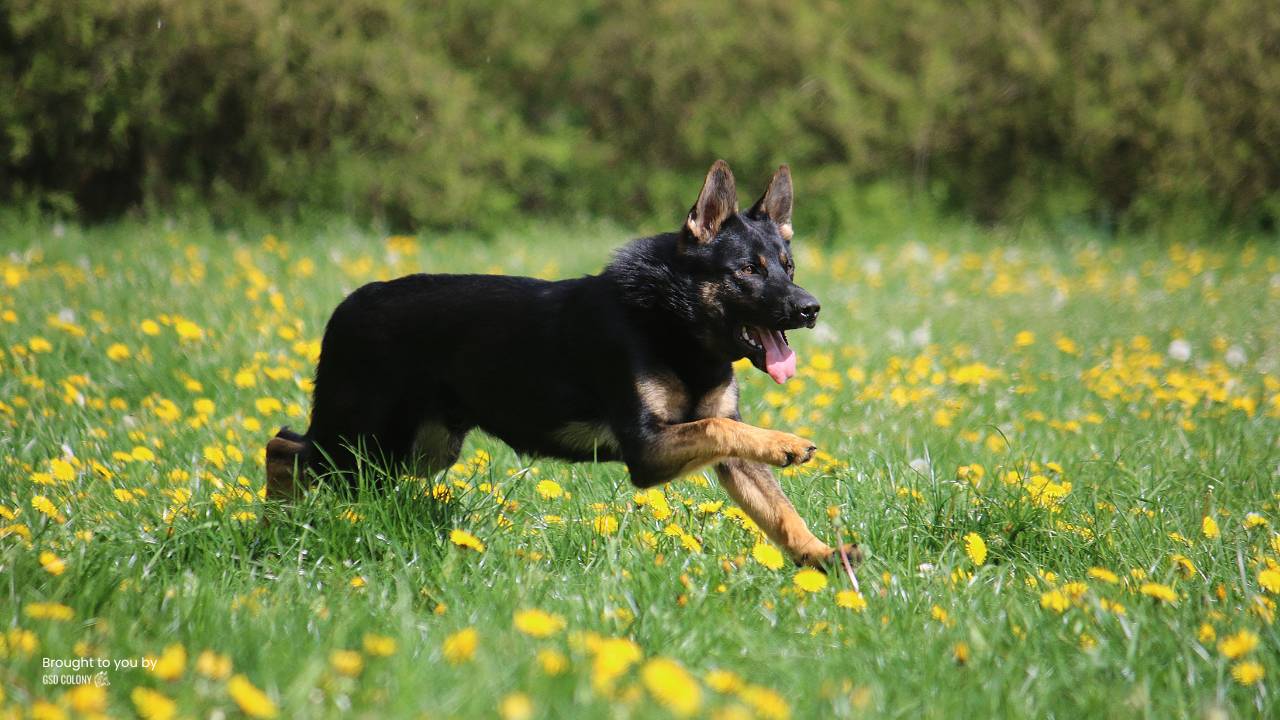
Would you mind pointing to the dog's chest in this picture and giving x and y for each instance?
(669, 399)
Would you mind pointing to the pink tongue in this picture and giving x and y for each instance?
(779, 360)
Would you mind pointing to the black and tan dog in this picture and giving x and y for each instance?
(633, 364)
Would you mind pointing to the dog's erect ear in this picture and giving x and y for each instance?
(775, 204)
(717, 203)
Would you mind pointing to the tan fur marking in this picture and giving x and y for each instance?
(710, 294)
(282, 471)
(719, 402)
(685, 447)
(763, 263)
(587, 436)
(784, 229)
(697, 230)
(754, 488)
(664, 396)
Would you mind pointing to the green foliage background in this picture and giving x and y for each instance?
(473, 113)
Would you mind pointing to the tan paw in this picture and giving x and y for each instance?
(826, 558)
(785, 449)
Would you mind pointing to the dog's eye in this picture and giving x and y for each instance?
(748, 269)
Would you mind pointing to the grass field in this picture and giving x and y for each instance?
(1060, 456)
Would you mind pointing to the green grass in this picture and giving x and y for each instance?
(1101, 445)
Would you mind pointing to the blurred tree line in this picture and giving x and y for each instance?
(474, 112)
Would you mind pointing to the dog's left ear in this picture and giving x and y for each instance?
(775, 204)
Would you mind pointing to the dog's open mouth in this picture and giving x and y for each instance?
(769, 352)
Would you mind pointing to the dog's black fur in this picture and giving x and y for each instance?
(594, 367)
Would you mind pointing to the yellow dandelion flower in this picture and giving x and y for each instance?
(204, 406)
(188, 330)
(52, 564)
(214, 666)
(1248, 672)
(267, 406)
(1269, 579)
(348, 663)
(378, 645)
(171, 663)
(605, 524)
(537, 623)
(245, 379)
(142, 453)
(40, 345)
(976, 548)
(61, 470)
(1238, 645)
(1209, 527)
(767, 703)
(88, 699)
(1159, 591)
(47, 508)
(149, 327)
(1103, 574)
(672, 686)
(552, 662)
(937, 612)
(118, 352)
(851, 599)
(1183, 565)
(810, 580)
(516, 706)
(460, 647)
(464, 539)
(960, 653)
(613, 657)
(767, 555)
(49, 611)
(549, 489)
(1253, 520)
(723, 681)
(252, 701)
(1055, 600)
(152, 705)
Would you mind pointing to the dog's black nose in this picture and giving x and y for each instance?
(809, 311)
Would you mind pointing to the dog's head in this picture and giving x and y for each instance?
(744, 271)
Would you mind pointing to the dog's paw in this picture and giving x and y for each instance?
(786, 449)
(827, 558)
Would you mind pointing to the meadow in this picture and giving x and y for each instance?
(1058, 452)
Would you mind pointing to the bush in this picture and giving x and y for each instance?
(472, 113)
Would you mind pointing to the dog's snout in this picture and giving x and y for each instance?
(806, 307)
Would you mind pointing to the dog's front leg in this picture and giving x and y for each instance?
(741, 454)
(754, 488)
(669, 451)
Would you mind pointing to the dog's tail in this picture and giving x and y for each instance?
(288, 455)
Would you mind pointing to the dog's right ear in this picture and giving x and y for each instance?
(775, 204)
(717, 202)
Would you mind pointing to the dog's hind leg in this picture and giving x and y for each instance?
(754, 488)
(286, 461)
(435, 447)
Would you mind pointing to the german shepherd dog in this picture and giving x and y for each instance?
(633, 364)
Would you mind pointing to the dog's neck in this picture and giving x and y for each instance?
(663, 299)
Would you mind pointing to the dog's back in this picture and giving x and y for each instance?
(409, 365)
